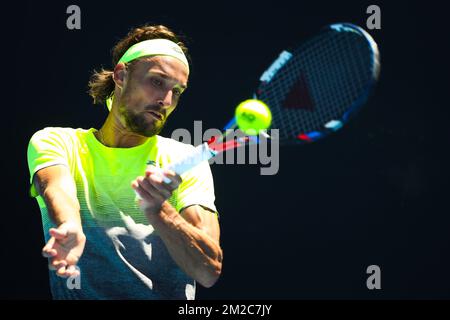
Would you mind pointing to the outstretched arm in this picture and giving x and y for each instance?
(66, 244)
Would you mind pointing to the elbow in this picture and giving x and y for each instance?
(209, 284)
(213, 272)
(210, 278)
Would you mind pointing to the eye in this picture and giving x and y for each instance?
(156, 82)
(177, 92)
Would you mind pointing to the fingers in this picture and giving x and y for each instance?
(175, 179)
(149, 198)
(158, 173)
(157, 184)
(58, 233)
(155, 189)
(141, 195)
(62, 269)
(49, 253)
(151, 189)
(67, 271)
(60, 272)
(56, 264)
(158, 176)
(47, 250)
(62, 259)
(71, 271)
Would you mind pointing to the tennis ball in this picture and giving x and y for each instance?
(252, 116)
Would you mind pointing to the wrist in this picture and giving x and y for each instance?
(73, 224)
(156, 214)
(153, 212)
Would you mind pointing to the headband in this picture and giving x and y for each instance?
(152, 47)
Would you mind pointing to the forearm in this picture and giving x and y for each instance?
(62, 207)
(195, 252)
(66, 243)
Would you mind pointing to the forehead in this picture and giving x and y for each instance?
(167, 65)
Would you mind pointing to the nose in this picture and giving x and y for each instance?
(166, 100)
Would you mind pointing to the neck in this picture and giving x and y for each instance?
(114, 135)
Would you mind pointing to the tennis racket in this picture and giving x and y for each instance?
(312, 90)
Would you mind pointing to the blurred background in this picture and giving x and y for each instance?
(375, 193)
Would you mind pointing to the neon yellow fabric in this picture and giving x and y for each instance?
(154, 47)
(103, 175)
(124, 257)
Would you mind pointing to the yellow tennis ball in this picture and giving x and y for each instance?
(252, 116)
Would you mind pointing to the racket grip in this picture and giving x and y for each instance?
(201, 153)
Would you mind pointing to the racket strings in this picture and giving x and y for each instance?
(335, 68)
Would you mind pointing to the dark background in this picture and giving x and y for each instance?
(374, 193)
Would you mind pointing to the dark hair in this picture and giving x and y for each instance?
(101, 84)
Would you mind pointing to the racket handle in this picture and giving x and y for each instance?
(201, 153)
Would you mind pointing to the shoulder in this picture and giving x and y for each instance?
(58, 133)
(57, 138)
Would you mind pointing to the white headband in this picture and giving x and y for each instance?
(154, 47)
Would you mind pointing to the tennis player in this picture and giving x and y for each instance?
(110, 221)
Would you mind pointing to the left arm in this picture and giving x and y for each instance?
(191, 237)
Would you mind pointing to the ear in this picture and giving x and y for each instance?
(119, 75)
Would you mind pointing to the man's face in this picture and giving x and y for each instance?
(151, 90)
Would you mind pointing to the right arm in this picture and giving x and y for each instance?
(57, 187)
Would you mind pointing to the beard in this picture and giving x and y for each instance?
(139, 123)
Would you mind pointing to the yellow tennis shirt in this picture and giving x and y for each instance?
(124, 257)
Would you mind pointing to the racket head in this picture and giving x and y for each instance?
(316, 88)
